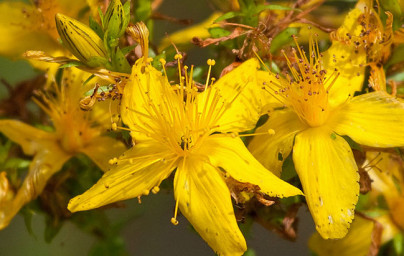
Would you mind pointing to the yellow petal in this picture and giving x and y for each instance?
(28, 137)
(349, 60)
(328, 173)
(398, 37)
(49, 159)
(147, 87)
(102, 148)
(272, 150)
(138, 170)
(377, 79)
(205, 201)
(385, 174)
(396, 206)
(240, 97)
(185, 36)
(374, 119)
(390, 229)
(232, 155)
(357, 241)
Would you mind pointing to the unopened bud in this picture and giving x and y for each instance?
(81, 40)
(116, 19)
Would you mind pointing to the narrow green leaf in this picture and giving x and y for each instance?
(28, 213)
(261, 8)
(127, 49)
(120, 63)
(228, 15)
(218, 32)
(71, 64)
(396, 57)
(96, 27)
(283, 38)
(398, 242)
(88, 79)
(101, 17)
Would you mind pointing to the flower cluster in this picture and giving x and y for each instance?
(304, 111)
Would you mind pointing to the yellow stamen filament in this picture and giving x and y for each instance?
(306, 92)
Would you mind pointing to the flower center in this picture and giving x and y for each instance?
(306, 92)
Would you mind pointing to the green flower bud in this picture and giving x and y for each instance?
(116, 18)
(81, 41)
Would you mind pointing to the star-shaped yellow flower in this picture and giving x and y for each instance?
(175, 127)
(321, 109)
(75, 132)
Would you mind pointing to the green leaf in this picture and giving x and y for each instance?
(398, 242)
(88, 79)
(352, 143)
(396, 57)
(218, 32)
(114, 26)
(261, 8)
(71, 64)
(275, 68)
(120, 63)
(96, 61)
(127, 49)
(110, 246)
(228, 15)
(96, 27)
(283, 38)
(28, 213)
(52, 228)
(156, 60)
(143, 10)
(126, 16)
(18, 163)
(101, 17)
(250, 252)
(288, 169)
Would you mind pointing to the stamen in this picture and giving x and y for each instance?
(211, 63)
(114, 126)
(268, 132)
(155, 190)
(113, 161)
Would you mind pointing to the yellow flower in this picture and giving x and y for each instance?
(175, 127)
(375, 39)
(321, 109)
(75, 132)
(362, 239)
(366, 235)
(31, 26)
(388, 180)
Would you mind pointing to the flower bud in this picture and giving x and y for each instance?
(80, 40)
(116, 19)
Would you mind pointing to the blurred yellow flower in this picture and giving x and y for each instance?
(75, 132)
(362, 239)
(31, 26)
(321, 109)
(366, 235)
(175, 127)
